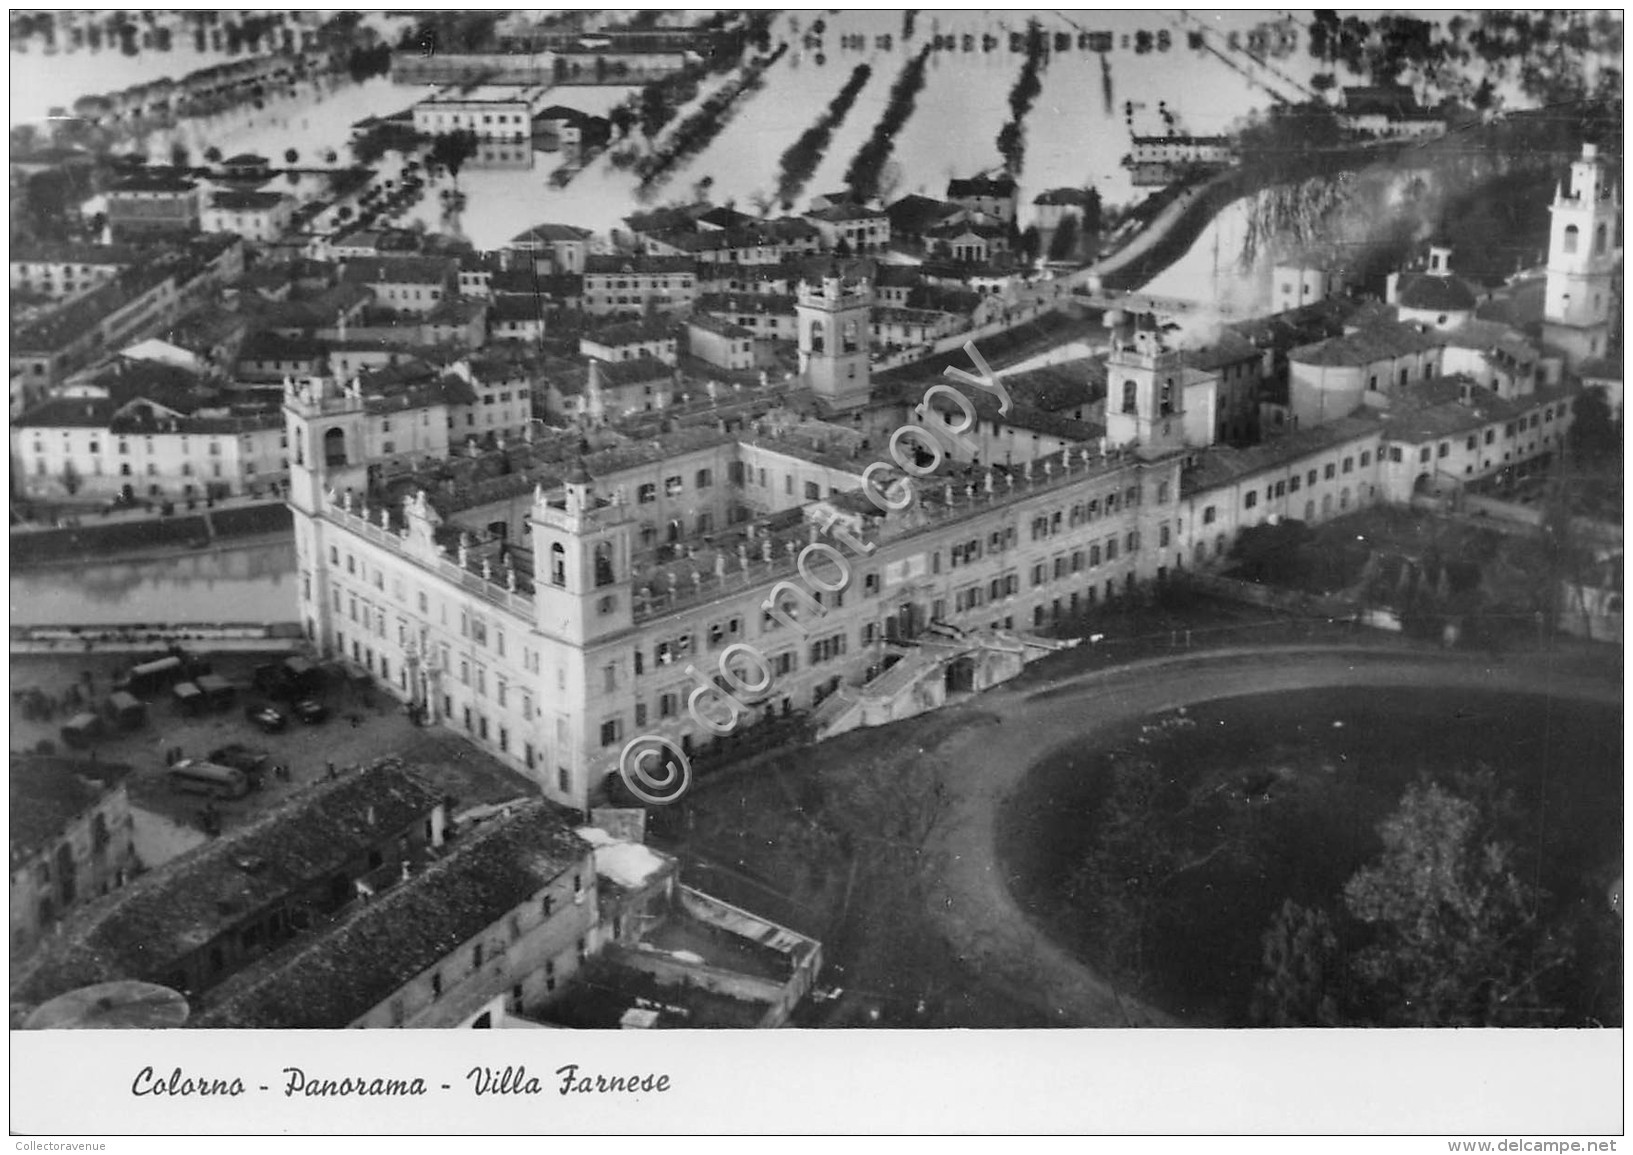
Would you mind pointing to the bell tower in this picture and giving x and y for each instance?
(1144, 390)
(324, 419)
(1584, 258)
(581, 560)
(833, 338)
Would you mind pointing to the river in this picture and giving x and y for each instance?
(241, 583)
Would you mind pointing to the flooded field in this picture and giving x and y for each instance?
(1077, 133)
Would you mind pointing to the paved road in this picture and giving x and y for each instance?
(983, 764)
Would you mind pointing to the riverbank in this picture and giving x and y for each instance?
(152, 537)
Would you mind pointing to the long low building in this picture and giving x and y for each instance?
(555, 610)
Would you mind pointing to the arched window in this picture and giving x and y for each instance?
(1166, 403)
(334, 447)
(558, 565)
(818, 344)
(603, 564)
(1129, 390)
(850, 342)
(1571, 233)
(1599, 239)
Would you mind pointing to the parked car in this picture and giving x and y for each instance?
(310, 710)
(192, 776)
(241, 757)
(269, 720)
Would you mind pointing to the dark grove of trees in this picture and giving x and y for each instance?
(451, 31)
(1063, 245)
(365, 63)
(1443, 928)
(800, 160)
(450, 150)
(862, 177)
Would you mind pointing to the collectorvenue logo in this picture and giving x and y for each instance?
(654, 767)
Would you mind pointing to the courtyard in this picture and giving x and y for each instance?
(362, 726)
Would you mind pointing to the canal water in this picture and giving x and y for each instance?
(1325, 768)
(248, 583)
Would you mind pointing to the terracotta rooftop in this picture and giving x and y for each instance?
(338, 975)
(142, 929)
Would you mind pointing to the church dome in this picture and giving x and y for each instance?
(1435, 294)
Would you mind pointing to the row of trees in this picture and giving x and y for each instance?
(862, 177)
(801, 158)
(1012, 136)
(695, 133)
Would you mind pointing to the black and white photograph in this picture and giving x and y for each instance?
(1084, 536)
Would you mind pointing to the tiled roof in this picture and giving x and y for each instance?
(630, 263)
(965, 228)
(845, 212)
(48, 793)
(72, 253)
(1227, 349)
(1389, 99)
(1427, 410)
(247, 201)
(1219, 465)
(913, 213)
(725, 218)
(69, 412)
(1491, 336)
(717, 325)
(1065, 385)
(549, 232)
(270, 346)
(1519, 305)
(635, 371)
(1377, 343)
(1062, 196)
(400, 270)
(660, 220)
(1601, 369)
(980, 186)
(153, 182)
(744, 304)
(1300, 326)
(142, 929)
(630, 333)
(344, 972)
(515, 307)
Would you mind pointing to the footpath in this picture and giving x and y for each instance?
(982, 765)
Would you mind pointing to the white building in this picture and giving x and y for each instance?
(491, 111)
(1584, 262)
